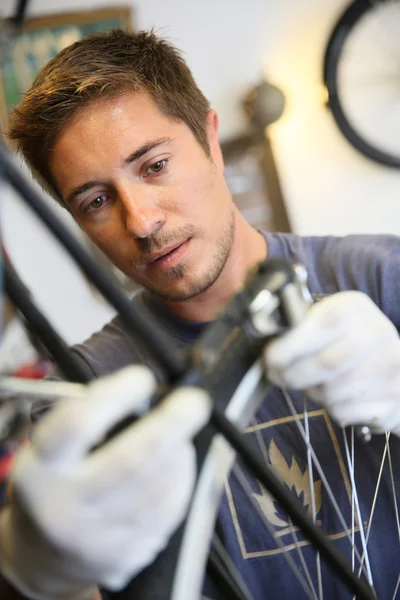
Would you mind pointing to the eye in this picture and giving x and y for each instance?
(157, 167)
(96, 204)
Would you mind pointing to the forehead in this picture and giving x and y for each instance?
(105, 131)
(128, 114)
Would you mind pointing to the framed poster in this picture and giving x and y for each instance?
(41, 39)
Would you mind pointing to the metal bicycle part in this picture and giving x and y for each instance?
(34, 389)
(199, 526)
(17, 397)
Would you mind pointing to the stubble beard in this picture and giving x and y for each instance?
(201, 285)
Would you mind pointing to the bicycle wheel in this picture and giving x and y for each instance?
(361, 75)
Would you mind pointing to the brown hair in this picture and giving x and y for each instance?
(104, 65)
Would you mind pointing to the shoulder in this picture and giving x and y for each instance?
(114, 346)
(369, 263)
(294, 246)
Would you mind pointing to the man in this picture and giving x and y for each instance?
(119, 132)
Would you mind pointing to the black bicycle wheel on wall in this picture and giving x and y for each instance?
(362, 75)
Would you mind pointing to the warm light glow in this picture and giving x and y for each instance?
(324, 94)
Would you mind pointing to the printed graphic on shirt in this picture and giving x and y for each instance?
(282, 445)
(300, 483)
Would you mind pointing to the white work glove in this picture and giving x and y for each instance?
(346, 355)
(82, 520)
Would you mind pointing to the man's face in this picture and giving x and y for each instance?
(144, 190)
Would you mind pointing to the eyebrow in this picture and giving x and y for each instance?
(144, 149)
(135, 156)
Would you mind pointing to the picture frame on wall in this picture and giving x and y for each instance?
(40, 39)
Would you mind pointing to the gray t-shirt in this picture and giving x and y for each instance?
(367, 263)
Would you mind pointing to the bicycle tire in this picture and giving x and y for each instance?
(344, 27)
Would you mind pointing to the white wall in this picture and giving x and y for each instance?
(329, 188)
(58, 287)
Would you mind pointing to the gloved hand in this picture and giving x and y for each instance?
(80, 520)
(346, 355)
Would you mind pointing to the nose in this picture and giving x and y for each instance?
(143, 214)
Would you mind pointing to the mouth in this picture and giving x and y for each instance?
(169, 256)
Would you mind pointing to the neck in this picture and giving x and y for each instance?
(248, 249)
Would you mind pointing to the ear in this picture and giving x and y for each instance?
(212, 123)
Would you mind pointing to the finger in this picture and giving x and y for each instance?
(158, 525)
(152, 504)
(379, 415)
(337, 361)
(376, 376)
(141, 448)
(74, 426)
(324, 324)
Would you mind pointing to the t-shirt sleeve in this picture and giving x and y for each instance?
(104, 352)
(369, 263)
(110, 349)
